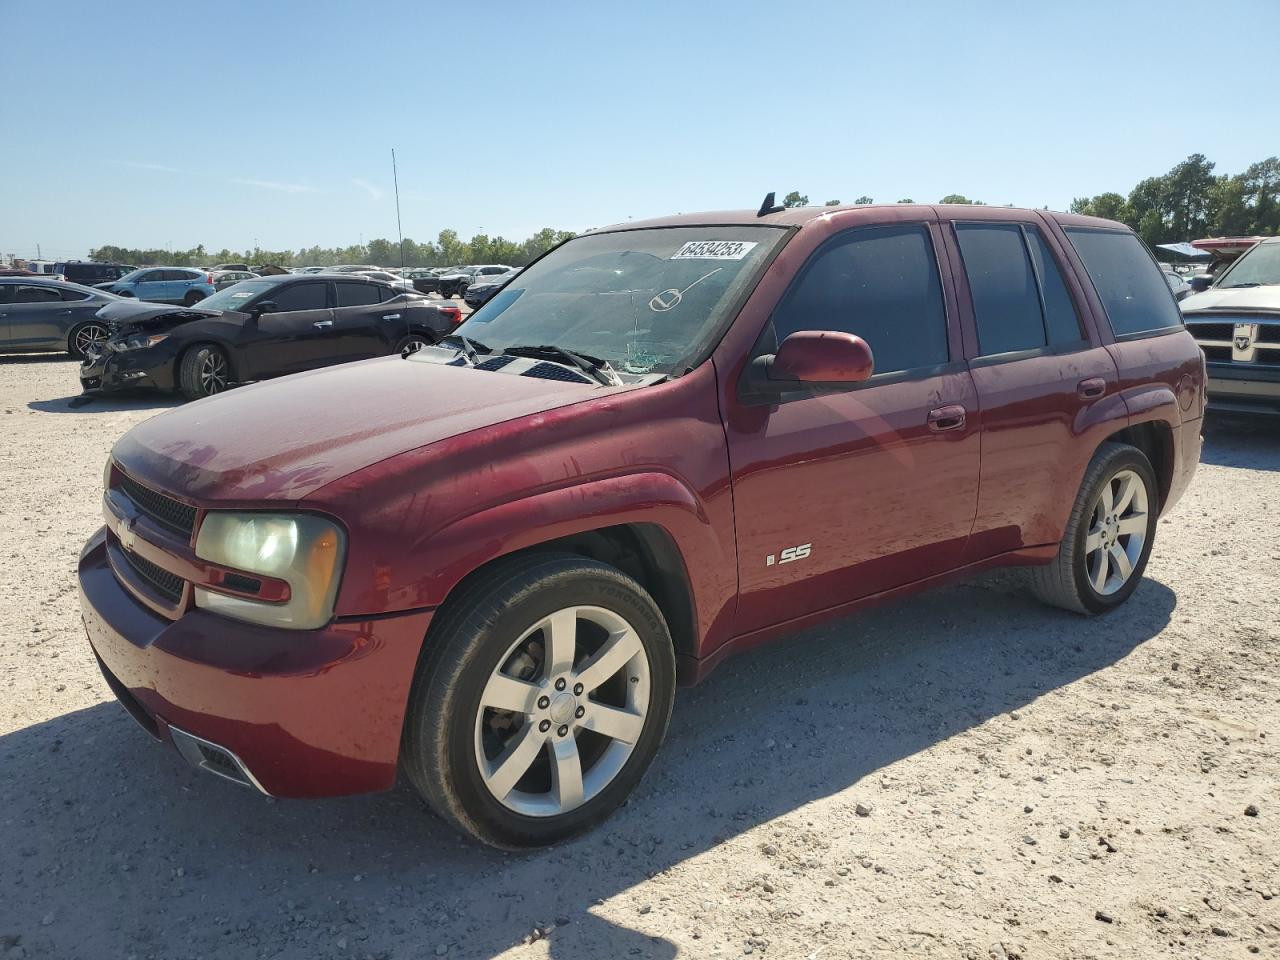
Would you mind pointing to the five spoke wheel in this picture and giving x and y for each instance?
(562, 712)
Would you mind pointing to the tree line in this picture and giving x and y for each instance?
(1189, 201)
(446, 250)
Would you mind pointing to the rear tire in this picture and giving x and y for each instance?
(83, 335)
(413, 343)
(203, 371)
(192, 298)
(1109, 534)
(527, 632)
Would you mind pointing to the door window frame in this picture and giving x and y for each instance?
(969, 315)
(955, 349)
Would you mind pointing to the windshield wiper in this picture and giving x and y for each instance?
(1239, 286)
(593, 367)
(470, 348)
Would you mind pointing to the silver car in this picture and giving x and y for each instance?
(44, 315)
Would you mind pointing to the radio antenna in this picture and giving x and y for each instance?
(395, 180)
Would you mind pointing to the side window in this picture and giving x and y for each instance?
(880, 283)
(357, 294)
(73, 295)
(1134, 294)
(1006, 303)
(36, 295)
(150, 276)
(1060, 317)
(299, 296)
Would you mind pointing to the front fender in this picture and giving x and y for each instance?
(423, 571)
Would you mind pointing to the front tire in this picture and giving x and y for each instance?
(543, 696)
(192, 298)
(203, 372)
(1109, 534)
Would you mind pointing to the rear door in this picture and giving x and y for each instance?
(294, 336)
(36, 317)
(365, 324)
(1038, 370)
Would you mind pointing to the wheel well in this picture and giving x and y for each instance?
(1155, 439)
(643, 551)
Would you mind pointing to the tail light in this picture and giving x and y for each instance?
(453, 313)
(208, 278)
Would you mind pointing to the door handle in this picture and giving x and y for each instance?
(391, 316)
(322, 324)
(1091, 389)
(950, 417)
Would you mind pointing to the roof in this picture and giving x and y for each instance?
(799, 216)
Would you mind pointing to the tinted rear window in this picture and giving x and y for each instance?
(357, 294)
(1006, 303)
(1129, 284)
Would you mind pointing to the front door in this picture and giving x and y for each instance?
(295, 335)
(841, 495)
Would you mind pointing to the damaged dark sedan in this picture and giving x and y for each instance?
(258, 329)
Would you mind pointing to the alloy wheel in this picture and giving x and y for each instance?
(90, 338)
(1117, 532)
(213, 373)
(412, 345)
(562, 712)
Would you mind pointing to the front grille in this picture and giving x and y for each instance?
(169, 513)
(1245, 341)
(163, 582)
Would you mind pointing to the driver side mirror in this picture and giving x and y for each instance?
(266, 306)
(1200, 283)
(824, 358)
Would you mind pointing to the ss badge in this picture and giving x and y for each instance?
(789, 554)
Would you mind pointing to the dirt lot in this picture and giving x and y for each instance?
(964, 775)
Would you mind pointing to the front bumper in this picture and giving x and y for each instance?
(130, 370)
(307, 713)
(1244, 388)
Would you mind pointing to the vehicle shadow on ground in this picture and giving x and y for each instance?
(19, 359)
(1249, 442)
(138, 853)
(114, 403)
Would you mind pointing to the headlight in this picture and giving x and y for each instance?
(305, 551)
(139, 342)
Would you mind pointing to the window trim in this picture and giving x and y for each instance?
(1067, 230)
(754, 397)
(1050, 348)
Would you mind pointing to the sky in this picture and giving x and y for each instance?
(235, 124)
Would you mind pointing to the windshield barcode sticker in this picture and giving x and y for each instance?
(714, 250)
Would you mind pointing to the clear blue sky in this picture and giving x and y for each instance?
(147, 124)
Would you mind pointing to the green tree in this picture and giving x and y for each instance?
(795, 199)
(955, 198)
(832, 203)
(906, 200)
(863, 200)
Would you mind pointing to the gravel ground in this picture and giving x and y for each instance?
(964, 775)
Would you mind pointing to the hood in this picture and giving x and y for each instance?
(284, 439)
(1243, 298)
(127, 315)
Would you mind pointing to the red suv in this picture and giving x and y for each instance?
(490, 563)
